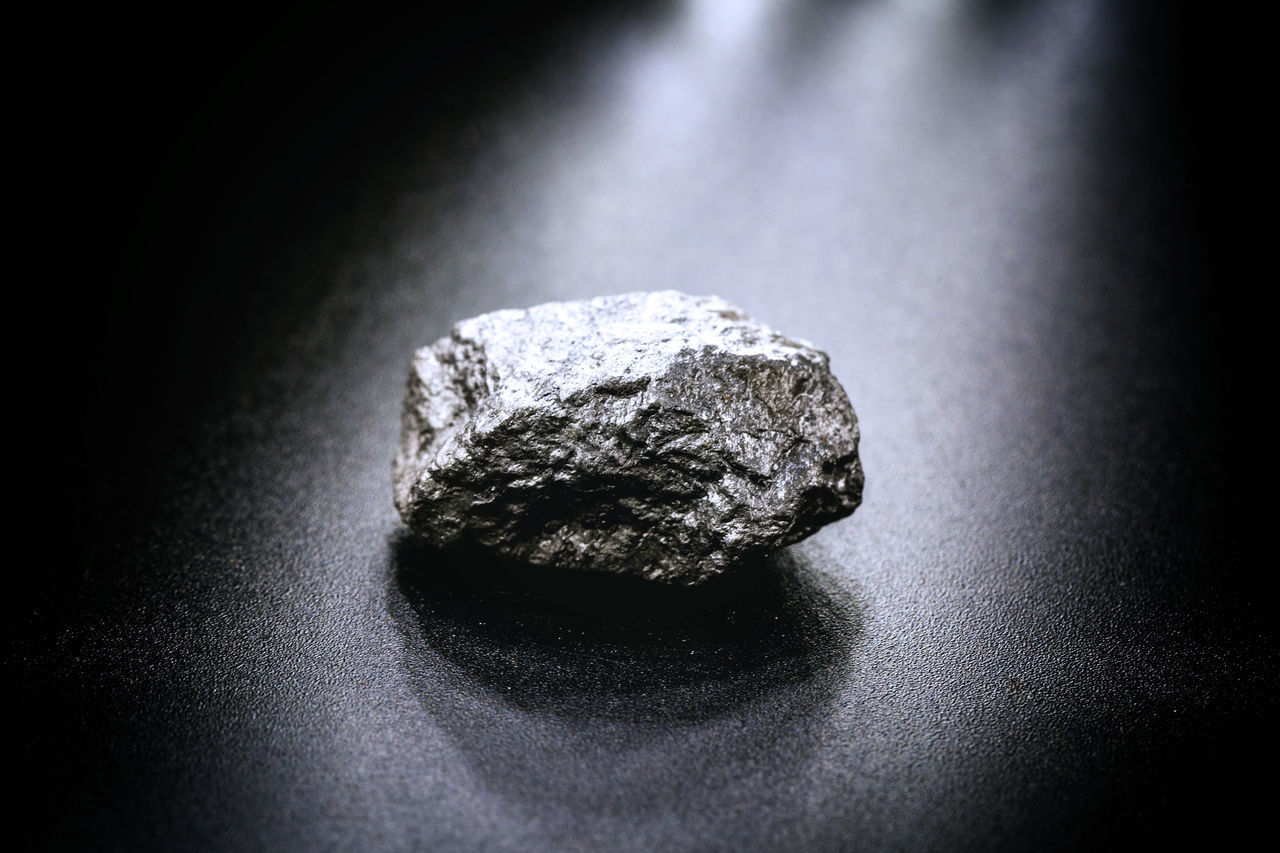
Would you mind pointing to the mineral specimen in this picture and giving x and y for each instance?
(653, 434)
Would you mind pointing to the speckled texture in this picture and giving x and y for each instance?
(1048, 626)
(660, 435)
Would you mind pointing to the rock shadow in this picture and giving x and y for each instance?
(583, 695)
(587, 645)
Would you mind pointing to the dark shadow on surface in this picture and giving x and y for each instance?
(579, 696)
(587, 646)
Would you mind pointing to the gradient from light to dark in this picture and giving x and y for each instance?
(1039, 631)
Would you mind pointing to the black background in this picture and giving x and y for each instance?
(1007, 222)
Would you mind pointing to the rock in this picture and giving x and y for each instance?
(652, 434)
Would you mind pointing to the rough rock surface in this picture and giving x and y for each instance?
(653, 434)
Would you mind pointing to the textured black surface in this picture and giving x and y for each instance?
(1042, 629)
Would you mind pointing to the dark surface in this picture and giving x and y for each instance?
(1042, 629)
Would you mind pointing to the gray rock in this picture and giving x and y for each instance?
(652, 434)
